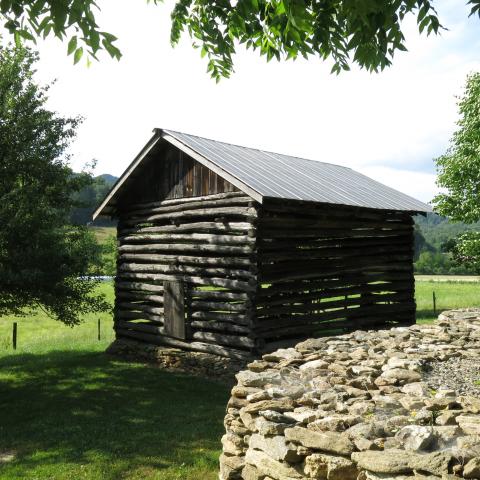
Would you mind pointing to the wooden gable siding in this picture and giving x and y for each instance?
(168, 174)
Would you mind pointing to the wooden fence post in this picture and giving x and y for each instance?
(14, 335)
(99, 329)
(434, 304)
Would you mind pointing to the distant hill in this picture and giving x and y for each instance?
(89, 198)
(431, 233)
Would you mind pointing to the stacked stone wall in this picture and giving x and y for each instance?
(362, 406)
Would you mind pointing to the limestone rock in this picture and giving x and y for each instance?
(329, 467)
(231, 467)
(248, 378)
(472, 468)
(280, 405)
(415, 437)
(325, 441)
(389, 461)
(276, 447)
(268, 466)
(470, 424)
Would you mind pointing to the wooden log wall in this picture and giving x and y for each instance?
(324, 268)
(208, 243)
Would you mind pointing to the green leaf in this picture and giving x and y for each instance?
(78, 55)
(72, 45)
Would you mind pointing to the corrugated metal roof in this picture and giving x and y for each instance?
(283, 176)
(263, 174)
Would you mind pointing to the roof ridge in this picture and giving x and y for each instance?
(253, 148)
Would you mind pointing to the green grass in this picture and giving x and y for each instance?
(68, 411)
(102, 233)
(448, 295)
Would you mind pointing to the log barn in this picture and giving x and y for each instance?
(236, 251)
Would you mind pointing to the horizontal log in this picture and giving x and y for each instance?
(144, 287)
(179, 201)
(297, 296)
(207, 238)
(189, 247)
(237, 318)
(294, 321)
(195, 204)
(275, 206)
(344, 279)
(325, 273)
(139, 307)
(199, 227)
(226, 212)
(218, 295)
(135, 295)
(326, 305)
(299, 253)
(228, 340)
(192, 346)
(220, 327)
(187, 259)
(122, 314)
(211, 282)
(222, 306)
(181, 269)
(140, 327)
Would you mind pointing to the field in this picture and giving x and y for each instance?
(67, 411)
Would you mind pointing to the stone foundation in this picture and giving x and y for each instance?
(199, 364)
(359, 407)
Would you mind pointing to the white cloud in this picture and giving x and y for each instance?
(382, 124)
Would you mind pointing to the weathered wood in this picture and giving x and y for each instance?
(220, 327)
(140, 307)
(206, 238)
(145, 287)
(231, 317)
(174, 306)
(228, 212)
(193, 346)
(198, 227)
(192, 205)
(186, 247)
(187, 259)
(139, 316)
(229, 340)
(218, 295)
(211, 281)
(140, 327)
(180, 269)
(179, 201)
(140, 296)
(221, 306)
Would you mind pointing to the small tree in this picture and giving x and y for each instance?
(459, 174)
(43, 259)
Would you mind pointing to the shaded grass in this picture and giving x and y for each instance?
(102, 233)
(80, 414)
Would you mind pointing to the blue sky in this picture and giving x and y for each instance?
(388, 125)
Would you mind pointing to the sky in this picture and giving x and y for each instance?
(389, 125)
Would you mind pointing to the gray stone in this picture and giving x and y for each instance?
(472, 468)
(418, 389)
(470, 424)
(231, 467)
(314, 365)
(248, 378)
(331, 442)
(398, 376)
(329, 467)
(265, 427)
(370, 430)
(268, 466)
(278, 405)
(389, 461)
(415, 437)
(436, 463)
(282, 354)
(276, 447)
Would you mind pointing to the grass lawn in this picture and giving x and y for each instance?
(68, 411)
(102, 233)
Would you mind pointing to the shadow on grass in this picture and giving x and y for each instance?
(67, 411)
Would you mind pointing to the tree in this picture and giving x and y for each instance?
(459, 174)
(42, 257)
(367, 33)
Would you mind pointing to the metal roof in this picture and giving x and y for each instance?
(263, 174)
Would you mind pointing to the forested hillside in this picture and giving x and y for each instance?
(432, 234)
(89, 198)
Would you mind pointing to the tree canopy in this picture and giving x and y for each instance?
(366, 33)
(42, 257)
(459, 175)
